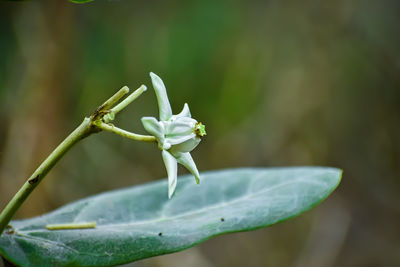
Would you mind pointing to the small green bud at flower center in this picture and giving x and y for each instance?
(200, 129)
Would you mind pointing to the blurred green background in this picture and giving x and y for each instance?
(277, 83)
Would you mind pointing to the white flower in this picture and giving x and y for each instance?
(176, 135)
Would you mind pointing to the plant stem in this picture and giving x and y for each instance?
(90, 125)
(120, 106)
(83, 130)
(115, 98)
(133, 136)
(129, 99)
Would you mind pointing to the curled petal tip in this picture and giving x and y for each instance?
(185, 112)
(171, 193)
(154, 76)
(186, 160)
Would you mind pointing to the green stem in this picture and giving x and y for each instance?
(120, 106)
(115, 98)
(83, 130)
(129, 99)
(90, 125)
(121, 132)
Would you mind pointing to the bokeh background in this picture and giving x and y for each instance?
(277, 83)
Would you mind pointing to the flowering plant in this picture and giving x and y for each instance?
(177, 135)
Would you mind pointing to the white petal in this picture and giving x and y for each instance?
(186, 146)
(162, 97)
(179, 139)
(153, 127)
(184, 113)
(172, 170)
(186, 160)
(180, 126)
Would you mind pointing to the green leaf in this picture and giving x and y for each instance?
(141, 222)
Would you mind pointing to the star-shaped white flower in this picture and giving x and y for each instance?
(177, 135)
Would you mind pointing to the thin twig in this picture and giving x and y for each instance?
(115, 98)
(133, 136)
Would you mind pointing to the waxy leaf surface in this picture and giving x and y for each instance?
(141, 222)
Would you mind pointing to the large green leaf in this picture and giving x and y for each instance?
(141, 222)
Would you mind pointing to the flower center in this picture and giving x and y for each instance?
(200, 129)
